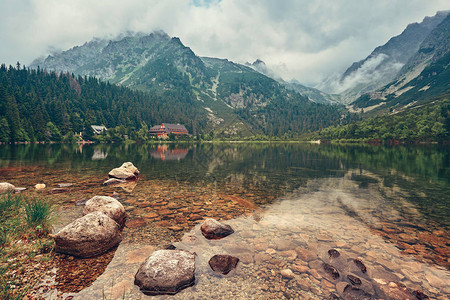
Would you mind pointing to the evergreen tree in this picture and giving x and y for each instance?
(4, 131)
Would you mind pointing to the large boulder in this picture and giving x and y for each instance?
(126, 171)
(88, 236)
(107, 205)
(213, 230)
(166, 272)
(6, 187)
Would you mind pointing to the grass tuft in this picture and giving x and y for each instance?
(38, 214)
(9, 204)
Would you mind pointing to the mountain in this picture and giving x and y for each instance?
(234, 98)
(424, 78)
(384, 63)
(310, 93)
(36, 105)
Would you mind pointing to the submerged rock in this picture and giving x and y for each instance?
(223, 263)
(397, 291)
(354, 280)
(58, 191)
(64, 185)
(354, 293)
(112, 181)
(126, 171)
(88, 236)
(420, 295)
(333, 253)
(166, 272)
(6, 187)
(107, 205)
(213, 230)
(329, 269)
(333, 296)
(287, 273)
(358, 262)
(348, 292)
(81, 202)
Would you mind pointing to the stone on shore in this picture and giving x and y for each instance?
(126, 171)
(107, 205)
(88, 236)
(213, 230)
(6, 187)
(40, 186)
(223, 263)
(166, 272)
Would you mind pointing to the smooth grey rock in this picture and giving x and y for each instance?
(107, 205)
(126, 171)
(88, 236)
(213, 230)
(166, 272)
(6, 187)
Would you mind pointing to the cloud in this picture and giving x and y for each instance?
(371, 70)
(302, 39)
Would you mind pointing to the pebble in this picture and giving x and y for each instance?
(287, 273)
(300, 269)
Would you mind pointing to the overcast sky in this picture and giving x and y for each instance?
(302, 39)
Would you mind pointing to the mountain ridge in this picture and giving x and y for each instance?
(384, 63)
(236, 99)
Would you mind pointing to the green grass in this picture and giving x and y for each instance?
(9, 204)
(28, 219)
(38, 214)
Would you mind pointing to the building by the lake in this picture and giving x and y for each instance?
(163, 130)
(98, 129)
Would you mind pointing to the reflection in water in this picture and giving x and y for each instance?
(163, 152)
(99, 154)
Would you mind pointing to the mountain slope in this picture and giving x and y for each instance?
(312, 94)
(384, 63)
(216, 89)
(425, 77)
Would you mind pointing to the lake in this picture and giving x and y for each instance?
(288, 204)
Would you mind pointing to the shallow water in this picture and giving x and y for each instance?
(288, 204)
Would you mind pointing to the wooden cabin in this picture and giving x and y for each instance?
(162, 131)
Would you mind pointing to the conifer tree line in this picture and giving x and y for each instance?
(36, 105)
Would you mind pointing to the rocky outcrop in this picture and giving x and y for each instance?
(6, 187)
(223, 263)
(213, 230)
(88, 236)
(166, 272)
(107, 205)
(127, 171)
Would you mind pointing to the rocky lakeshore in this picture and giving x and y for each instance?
(332, 238)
